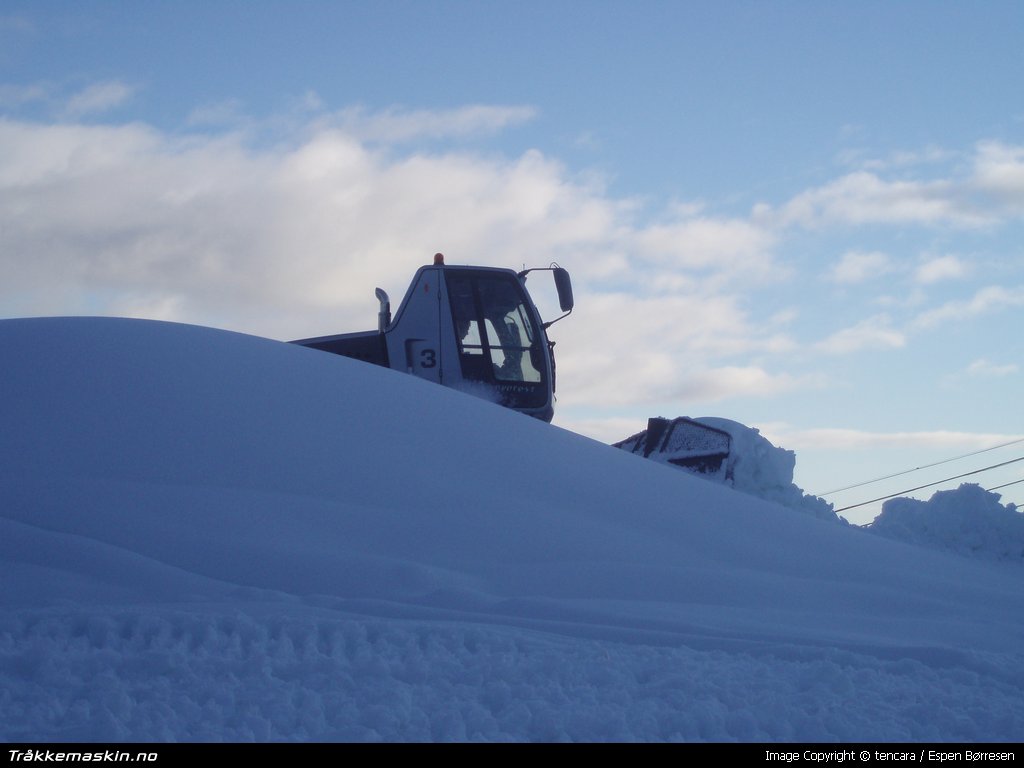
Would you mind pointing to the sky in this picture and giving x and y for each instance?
(803, 217)
(200, 541)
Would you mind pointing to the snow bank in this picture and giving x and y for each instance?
(211, 536)
(745, 460)
(765, 470)
(968, 521)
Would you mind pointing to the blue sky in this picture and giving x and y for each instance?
(806, 217)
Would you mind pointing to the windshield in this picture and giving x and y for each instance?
(507, 348)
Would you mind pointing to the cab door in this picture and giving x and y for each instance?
(500, 344)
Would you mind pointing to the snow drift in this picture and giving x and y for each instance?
(727, 452)
(211, 536)
(969, 521)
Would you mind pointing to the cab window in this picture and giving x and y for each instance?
(508, 349)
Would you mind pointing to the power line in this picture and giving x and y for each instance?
(923, 466)
(997, 487)
(929, 485)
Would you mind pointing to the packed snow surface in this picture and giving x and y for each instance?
(212, 536)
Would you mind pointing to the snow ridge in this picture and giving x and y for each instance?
(206, 536)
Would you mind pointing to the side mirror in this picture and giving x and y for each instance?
(562, 284)
(564, 287)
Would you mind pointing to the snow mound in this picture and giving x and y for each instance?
(210, 536)
(729, 453)
(969, 521)
(765, 470)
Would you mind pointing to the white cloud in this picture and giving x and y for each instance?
(397, 125)
(311, 102)
(874, 332)
(93, 99)
(289, 240)
(940, 268)
(860, 266)
(153, 307)
(992, 189)
(909, 158)
(622, 348)
(805, 439)
(999, 171)
(14, 96)
(707, 243)
(739, 381)
(784, 317)
(865, 198)
(990, 299)
(987, 369)
(589, 141)
(226, 112)
(98, 97)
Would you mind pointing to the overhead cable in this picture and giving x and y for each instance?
(923, 466)
(929, 485)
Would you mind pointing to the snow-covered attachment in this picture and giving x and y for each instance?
(730, 453)
(471, 328)
(684, 443)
